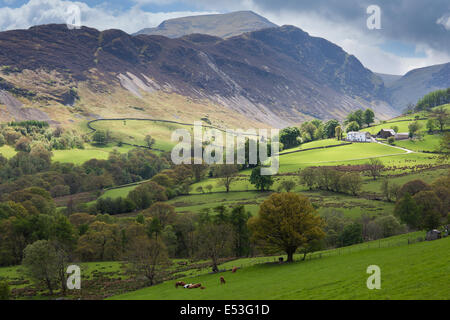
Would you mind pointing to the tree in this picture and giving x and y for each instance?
(395, 128)
(23, 144)
(100, 137)
(146, 194)
(389, 226)
(369, 116)
(164, 212)
(352, 126)
(412, 187)
(431, 125)
(330, 128)
(5, 291)
(199, 170)
(338, 132)
(389, 190)
(286, 221)
(2, 140)
(351, 182)
(149, 141)
(308, 129)
(241, 235)
(414, 128)
(375, 166)
(289, 137)
(430, 207)
(440, 115)
(261, 182)
(351, 234)
(407, 211)
(149, 258)
(308, 177)
(227, 173)
(215, 241)
(209, 187)
(287, 185)
(44, 262)
(444, 147)
(357, 116)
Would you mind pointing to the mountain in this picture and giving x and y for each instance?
(388, 79)
(417, 83)
(219, 25)
(276, 76)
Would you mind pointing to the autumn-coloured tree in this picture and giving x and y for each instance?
(286, 222)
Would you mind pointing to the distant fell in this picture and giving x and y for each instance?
(219, 25)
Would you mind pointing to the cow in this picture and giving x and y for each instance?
(234, 269)
(203, 288)
(222, 280)
(194, 286)
(180, 283)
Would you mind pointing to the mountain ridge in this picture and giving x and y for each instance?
(220, 25)
(278, 76)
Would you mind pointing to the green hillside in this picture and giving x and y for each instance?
(417, 271)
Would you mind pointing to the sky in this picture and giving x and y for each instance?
(411, 33)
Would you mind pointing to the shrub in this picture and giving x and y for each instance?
(5, 291)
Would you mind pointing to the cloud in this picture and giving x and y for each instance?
(37, 12)
(445, 21)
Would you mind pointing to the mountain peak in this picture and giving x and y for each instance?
(219, 25)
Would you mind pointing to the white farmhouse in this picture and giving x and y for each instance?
(356, 136)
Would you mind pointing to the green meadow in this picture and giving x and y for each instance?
(134, 131)
(416, 271)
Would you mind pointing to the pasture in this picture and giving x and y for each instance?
(416, 271)
(79, 156)
(134, 131)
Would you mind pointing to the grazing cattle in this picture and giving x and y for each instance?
(194, 286)
(180, 283)
(234, 269)
(203, 288)
(222, 280)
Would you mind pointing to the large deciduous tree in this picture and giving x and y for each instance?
(286, 222)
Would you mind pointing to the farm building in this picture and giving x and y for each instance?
(356, 136)
(402, 136)
(386, 133)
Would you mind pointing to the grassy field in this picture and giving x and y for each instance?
(427, 143)
(429, 176)
(416, 271)
(119, 192)
(79, 156)
(316, 144)
(76, 156)
(402, 122)
(332, 156)
(134, 131)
